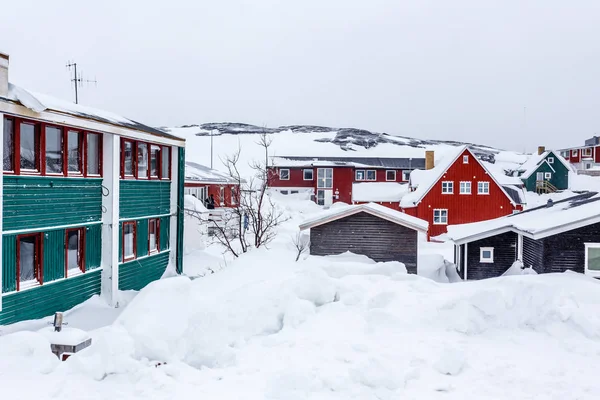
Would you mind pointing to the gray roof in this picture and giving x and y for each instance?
(515, 193)
(394, 163)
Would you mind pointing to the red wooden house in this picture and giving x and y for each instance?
(350, 180)
(201, 182)
(459, 190)
(586, 157)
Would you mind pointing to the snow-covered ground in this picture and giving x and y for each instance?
(343, 327)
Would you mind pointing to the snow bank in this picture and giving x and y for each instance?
(436, 268)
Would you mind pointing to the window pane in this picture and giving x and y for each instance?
(54, 154)
(165, 162)
(154, 160)
(30, 146)
(594, 259)
(128, 155)
(9, 137)
(152, 235)
(486, 254)
(128, 240)
(73, 250)
(142, 160)
(27, 257)
(74, 153)
(93, 154)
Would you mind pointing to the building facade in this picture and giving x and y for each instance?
(92, 204)
(584, 158)
(202, 182)
(545, 172)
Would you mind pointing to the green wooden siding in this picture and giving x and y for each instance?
(560, 175)
(141, 238)
(165, 228)
(54, 255)
(47, 299)
(136, 274)
(93, 246)
(37, 202)
(180, 188)
(9, 263)
(140, 198)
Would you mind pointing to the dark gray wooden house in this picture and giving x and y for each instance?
(556, 237)
(375, 231)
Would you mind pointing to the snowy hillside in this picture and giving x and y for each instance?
(307, 140)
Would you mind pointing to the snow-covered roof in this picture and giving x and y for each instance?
(378, 191)
(536, 223)
(377, 210)
(41, 102)
(371, 162)
(197, 173)
(533, 163)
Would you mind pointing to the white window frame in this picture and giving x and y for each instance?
(441, 217)
(364, 175)
(587, 271)
(280, 173)
(588, 165)
(550, 160)
(374, 171)
(484, 185)
(574, 153)
(405, 175)
(587, 152)
(465, 159)
(486, 260)
(386, 175)
(312, 174)
(447, 187)
(465, 185)
(547, 175)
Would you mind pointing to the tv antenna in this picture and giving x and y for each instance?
(78, 79)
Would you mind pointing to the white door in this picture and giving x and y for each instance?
(539, 177)
(325, 186)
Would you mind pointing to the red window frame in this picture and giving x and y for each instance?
(156, 222)
(14, 136)
(38, 258)
(82, 250)
(40, 150)
(135, 144)
(134, 225)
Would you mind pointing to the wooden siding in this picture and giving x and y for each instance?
(140, 198)
(533, 254)
(45, 300)
(366, 234)
(53, 261)
(566, 251)
(93, 246)
(505, 254)
(141, 230)
(9, 263)
(136, 274)
(37, 202)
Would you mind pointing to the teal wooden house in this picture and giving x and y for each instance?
(91, 203)
(545, 172)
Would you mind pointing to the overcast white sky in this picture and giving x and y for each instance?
(457, 70)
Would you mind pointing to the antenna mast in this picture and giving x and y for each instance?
(78, 79)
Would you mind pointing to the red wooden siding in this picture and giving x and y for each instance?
(597, 154)
(215, 190)
(463, 208)
(296, 178)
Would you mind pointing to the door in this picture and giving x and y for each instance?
(325, 186)
(539, 177)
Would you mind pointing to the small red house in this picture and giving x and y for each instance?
(460, 190)
(351, 180)
(586, 157)
(201, 182)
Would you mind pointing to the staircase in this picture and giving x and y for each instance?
(545, 187)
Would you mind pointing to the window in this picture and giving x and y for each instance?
(222, 195)
(154, 160)
(127, 151)
(465, 187)
(371, 175)
(153, 235)
(74, 153)
(308, 174)
(390, 175)
(29, 267)
(284, 174)
(165, 162)
(29, 147)
(233, 195)
(447, 187)
(550, 160)
(588, 165)
(283, 192)
(74, 252)
(360, 175)
(142, 160)
(592, 259)
(405, 175)
(325, 178)
(129, 249)
(440, 217)
(486, 255)
(54, 146)
(574, 153)
(483, 188)
(548, 175)
(587, 152)
(293, 192)
(9, 144)
(92, 154)
(465, 159)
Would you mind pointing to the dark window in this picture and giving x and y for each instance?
(128, 158)
(128, 241)
(153, 235)
(165, 163)
(30, 147)
(154, 160)
(360, 175)
(284, 174)
(390, 175)
(371, 175)
(74, 253)
(142, 160)
(9, 144)
(308, 174)
(74, 151)
(28, 260)
(93, 153)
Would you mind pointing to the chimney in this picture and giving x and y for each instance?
(541, 150)
(429, 159)
(3, 75)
